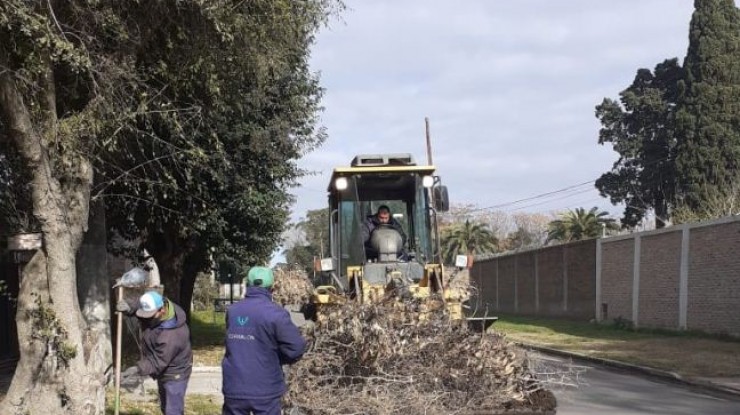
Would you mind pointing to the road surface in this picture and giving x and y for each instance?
(600, 390)
(581, 389)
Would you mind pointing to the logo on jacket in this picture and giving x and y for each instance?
(242, 321)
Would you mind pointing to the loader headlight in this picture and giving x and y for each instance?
(427, 181)
(340, 183)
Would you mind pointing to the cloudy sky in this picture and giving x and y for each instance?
(509, 87)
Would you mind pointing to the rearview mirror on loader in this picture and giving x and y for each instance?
(441, 198)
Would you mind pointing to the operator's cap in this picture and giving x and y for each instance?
(260, 277)
(149, 304)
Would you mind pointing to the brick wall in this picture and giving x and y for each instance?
(550, 269)
(506, 285)
(708, 278)
(483, 277)
(581, 269)
(660, 263)
(525, 280)
(617, 259)
(714, 278)
(518, 292)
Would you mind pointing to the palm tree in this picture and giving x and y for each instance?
(466, 238)
(578, 224)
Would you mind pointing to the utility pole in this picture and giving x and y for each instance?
(430, 193)
(429, 141)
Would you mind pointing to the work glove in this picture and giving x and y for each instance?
(123, 307)
(130, 378)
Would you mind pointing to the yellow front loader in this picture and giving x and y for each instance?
(370, 270)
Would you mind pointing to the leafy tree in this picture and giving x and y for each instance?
(511, 231)
(718, 205)
(230, 271)
(499, 222)
(209, 161)
(302, 257)
(641, 129)
(15, 206)
(467, 238)
(205, 292)
(312, 241)
(56, 65)
(708, 159)
(185, 116)
(531, 231)
(458, 213)
(578, 224)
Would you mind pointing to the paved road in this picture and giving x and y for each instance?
(615, 392)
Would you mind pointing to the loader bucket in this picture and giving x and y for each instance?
(480, 324)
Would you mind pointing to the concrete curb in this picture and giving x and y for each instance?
(706, 386)
(206, 369)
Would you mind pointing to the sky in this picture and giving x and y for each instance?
(509, 88)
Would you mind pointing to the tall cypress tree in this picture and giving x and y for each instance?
(708, 120)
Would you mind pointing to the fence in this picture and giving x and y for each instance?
(682, 277)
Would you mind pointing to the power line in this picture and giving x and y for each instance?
(579, 203)
(554, 192)
(552, 200)
(539, 196)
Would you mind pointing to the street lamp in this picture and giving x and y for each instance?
(231, 288)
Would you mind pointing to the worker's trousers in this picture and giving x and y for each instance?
(172, 396)
(258, 406)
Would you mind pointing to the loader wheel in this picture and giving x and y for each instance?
(309, 311)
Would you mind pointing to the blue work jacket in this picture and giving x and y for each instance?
(260, 338)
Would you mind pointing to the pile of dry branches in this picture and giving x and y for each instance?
(291, 287)
(403, 356)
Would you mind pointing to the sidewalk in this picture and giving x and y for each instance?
(205, 380)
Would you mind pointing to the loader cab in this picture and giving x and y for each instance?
(413, 194)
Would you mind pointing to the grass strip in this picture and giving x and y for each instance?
(690, 354)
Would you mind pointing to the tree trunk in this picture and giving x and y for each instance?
(94, 291)
(55, 374)
(179, 260)
(661, 212)
(169, 252)
(194, 263)
(170, 271)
